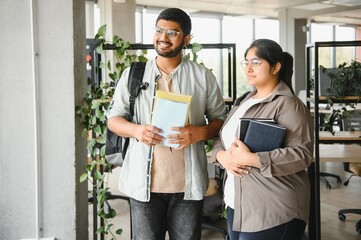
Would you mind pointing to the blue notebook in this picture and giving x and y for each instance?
(244, 123)
(264, 136)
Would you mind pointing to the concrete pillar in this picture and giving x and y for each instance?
(119, 16)
(59, 31)
(293, 40)
(300, 54)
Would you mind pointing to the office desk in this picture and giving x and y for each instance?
(329, 149)
(340, 137)
(340, 153)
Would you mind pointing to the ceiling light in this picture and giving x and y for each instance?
(349, 3)
(313, 6)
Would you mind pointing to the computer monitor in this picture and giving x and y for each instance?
(353, 122)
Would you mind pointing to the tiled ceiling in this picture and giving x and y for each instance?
(334, 11)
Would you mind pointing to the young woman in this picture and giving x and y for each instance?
(267, 193)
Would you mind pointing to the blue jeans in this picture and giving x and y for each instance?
(166, 212)
(292, 230)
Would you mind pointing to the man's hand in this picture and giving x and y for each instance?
(185, 136)
(148, 134)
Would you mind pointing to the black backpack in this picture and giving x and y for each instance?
(116, 146)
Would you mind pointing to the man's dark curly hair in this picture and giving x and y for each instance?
(179, 16)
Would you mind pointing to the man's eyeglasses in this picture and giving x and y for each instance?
(254, 62)
(171, 34)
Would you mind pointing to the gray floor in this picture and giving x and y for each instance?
(331, 201)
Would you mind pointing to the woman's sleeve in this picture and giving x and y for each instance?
(297, 153)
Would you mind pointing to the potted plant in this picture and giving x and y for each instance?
(343, 85)
(345, 80)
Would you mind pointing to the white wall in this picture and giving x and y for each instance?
(60, 34)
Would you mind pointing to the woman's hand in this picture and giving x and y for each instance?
(226, 159)
(242, 155)
(238, 159)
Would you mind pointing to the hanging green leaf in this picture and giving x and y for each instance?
(83, 177)
(196, 47)
(102, 30)
(96, 103)
(102, 140)
(98, 129)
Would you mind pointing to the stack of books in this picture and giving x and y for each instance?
(261, 134)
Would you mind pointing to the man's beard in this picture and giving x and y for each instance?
(170, 54)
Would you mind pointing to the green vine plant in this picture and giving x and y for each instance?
(91, 113)
(193, 53)
(344, 79)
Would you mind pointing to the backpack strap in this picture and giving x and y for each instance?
(239, 100)
(135, 83)
(116, 144)
(134, 86)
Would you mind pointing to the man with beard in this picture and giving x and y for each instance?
(167, 185)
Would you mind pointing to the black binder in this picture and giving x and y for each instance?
(263, 136)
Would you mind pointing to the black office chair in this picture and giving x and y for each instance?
(323, 178)
(355, 170)
(353, 123)
(213, 204)
(332, 121)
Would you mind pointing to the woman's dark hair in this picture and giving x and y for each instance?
(272, 52)
(179, 16)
